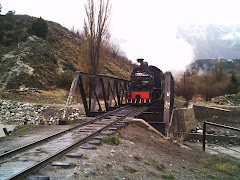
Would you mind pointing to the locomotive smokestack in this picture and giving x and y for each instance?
(140, 60)
(143, 65)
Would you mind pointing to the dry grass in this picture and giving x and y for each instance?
(120, 130)
(45, 97)
(56, 93)
(179, 139)
(223, 165)
(161, 140)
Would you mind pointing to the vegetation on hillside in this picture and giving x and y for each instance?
(208, 84)
(39, 27)
(52, 57)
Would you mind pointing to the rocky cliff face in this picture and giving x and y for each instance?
(31, 64)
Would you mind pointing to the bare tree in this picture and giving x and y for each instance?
(95, 29)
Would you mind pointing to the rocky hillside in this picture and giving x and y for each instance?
(28, 60)
(29, 63)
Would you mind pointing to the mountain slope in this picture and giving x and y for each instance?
(211, 41)
(31, 61)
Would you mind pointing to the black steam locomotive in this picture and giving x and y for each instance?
(146, 84)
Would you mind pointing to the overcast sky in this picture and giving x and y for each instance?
(143, 28)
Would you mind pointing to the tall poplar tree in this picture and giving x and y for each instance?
(218, 71)
(95, 29)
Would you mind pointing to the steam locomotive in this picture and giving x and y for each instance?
(146, 84)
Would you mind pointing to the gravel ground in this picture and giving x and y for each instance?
(137, 148)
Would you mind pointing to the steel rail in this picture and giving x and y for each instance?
(30, 145)
(44, 162)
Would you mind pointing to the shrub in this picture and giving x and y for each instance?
(69, 66)
(233, 86)
(63, 80)
(9, 15)
(111, 139)
(187, 91)
(39, 28)
(24, 79)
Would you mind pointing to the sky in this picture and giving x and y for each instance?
(143, 28)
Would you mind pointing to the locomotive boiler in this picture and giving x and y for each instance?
(146, 84)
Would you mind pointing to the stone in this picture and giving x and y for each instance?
(112, 151)
(24, 113)
(199, 131)
(97, 143)
(38, 178)
(227, 133)
(108, 132)
(63, 164)
(93, 173)
(74, 155)
(89, 147)
(4, 103)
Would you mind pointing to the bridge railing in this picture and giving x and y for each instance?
(99, 93)
(168, 101)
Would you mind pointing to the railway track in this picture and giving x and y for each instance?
(25, 160)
